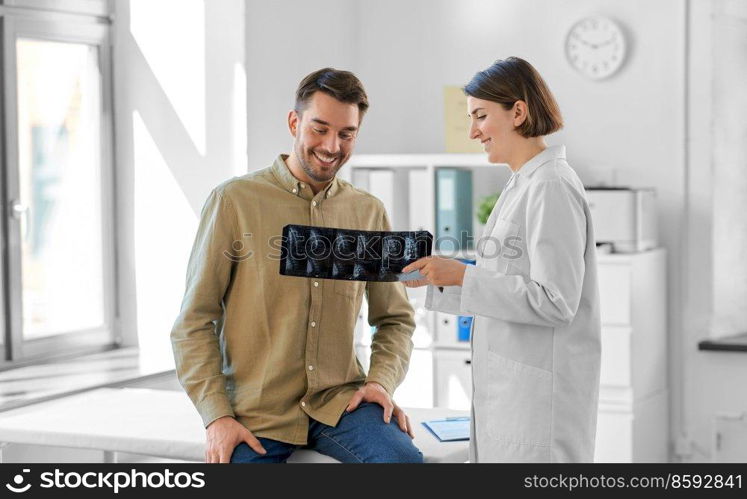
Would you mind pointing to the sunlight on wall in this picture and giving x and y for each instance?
(175, 52)
(165, 226)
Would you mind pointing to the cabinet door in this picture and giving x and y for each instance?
(614, 443)
(453, 375)
(615, 294)
(616, 357)
(450, 332)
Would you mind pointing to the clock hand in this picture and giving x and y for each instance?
(606, 43)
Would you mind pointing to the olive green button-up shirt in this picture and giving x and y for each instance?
(273, 350)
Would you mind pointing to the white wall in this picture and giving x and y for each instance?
(285, 41)
(180, 101)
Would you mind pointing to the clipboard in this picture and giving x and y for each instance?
(449, 429)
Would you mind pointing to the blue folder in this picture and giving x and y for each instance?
(453, 209)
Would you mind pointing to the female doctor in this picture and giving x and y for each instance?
(533, 292)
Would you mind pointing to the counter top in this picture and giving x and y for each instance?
(736, 343)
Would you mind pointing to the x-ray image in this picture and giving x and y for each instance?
(358, 255)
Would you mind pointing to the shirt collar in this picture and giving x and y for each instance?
(549, 154)
(293, 185)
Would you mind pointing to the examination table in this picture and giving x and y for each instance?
(163, 424)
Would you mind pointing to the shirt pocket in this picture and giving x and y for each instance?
(500, 248)
(518, 405)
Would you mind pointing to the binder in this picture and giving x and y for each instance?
(391, 187)
(419, 201)
(453, 209)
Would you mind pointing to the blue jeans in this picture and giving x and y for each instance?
(361, 436)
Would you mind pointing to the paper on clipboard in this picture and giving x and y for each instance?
(449, 429)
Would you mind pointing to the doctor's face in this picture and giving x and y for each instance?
(493, 126)
(325, 134)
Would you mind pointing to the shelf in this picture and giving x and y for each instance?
(395, 161)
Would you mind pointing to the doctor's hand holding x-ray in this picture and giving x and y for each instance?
(536, 331)
(437, 271)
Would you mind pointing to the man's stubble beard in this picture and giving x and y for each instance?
(304, 160)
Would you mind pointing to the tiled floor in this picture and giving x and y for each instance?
(119, 367)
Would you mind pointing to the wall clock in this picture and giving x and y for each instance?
(595, 47)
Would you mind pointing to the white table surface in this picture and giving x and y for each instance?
(122, 420)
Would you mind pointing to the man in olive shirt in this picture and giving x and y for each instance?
(269, 360)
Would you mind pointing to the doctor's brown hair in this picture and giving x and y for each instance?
(512, 79)
(342, 85)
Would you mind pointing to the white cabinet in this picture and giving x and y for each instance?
(447, 331)
(634, 432)
(632, 423)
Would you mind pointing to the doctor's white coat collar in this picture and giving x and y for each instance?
(549, 154)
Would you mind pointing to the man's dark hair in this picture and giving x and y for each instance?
(342, 85)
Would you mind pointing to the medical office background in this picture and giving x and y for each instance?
(179, 95)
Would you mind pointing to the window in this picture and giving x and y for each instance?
(58, 258)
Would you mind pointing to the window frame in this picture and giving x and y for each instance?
(18, 23)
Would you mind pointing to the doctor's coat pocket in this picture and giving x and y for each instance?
(500, 248)
(519, 402)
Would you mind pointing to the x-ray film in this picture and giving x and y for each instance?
(353, 255)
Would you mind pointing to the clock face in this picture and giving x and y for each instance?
(595, 46)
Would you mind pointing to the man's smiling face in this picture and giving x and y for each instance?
(325, 133)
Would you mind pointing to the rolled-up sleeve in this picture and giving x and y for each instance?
(555, 244)
(194, 337)
(390, 312)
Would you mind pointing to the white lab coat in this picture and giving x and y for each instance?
(536, 329)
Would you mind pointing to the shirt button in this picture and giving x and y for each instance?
(311, 368)
(295, 191)
(313, 324)
(313, 203)
(303, 404)
(316, 284)
(303, 185)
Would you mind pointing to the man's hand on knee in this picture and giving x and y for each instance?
(374, 392)
(223, 435)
